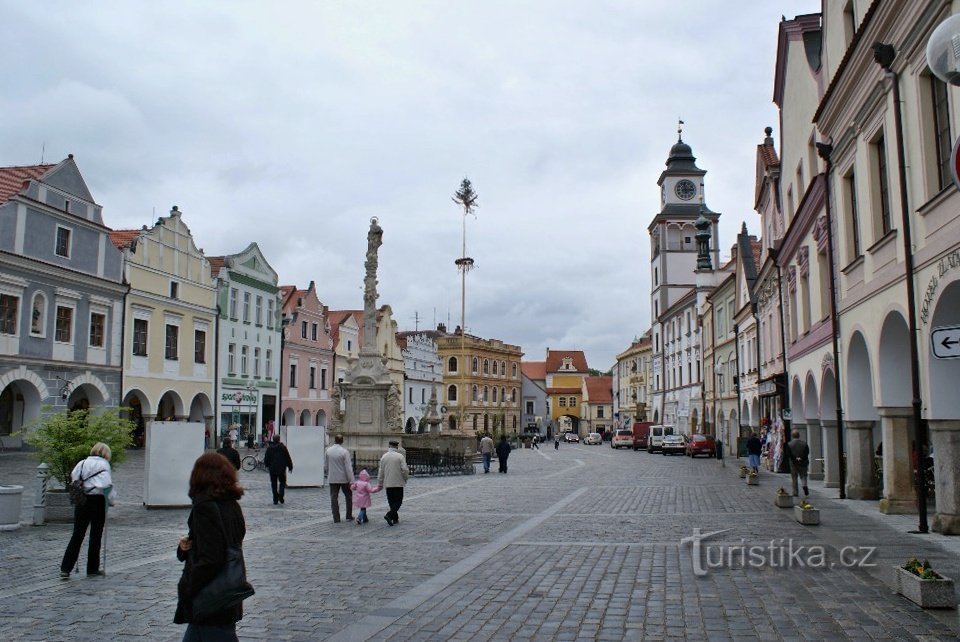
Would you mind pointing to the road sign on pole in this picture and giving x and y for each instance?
(945, 342)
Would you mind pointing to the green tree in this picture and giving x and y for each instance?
(64, 438)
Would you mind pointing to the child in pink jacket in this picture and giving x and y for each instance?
(362, 489)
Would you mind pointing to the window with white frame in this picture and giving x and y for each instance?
(171, 336)
(313, 377)
(303, 329)
(268, 365)
(9, 312)
(232, 358)
(63, 241)
(199, 346)
(293, 375)
(313, 332)
(234, 293)
(246, 307)
(64, 324)
(256, 362)
(270, 312)
(98, 324)
(140, 327)
(244, 354)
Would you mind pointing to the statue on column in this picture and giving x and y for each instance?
(374, 241)
(394, 412)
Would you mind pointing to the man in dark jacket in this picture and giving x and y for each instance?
(799, 455)
(230, 453)
(278, 462)
(754, 448)
(503, 451)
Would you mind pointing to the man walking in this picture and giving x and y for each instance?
(799, 454)
(339, 470)
(503, 451)
(393, 477)
(230, 453)
(278, 462)
(486, 451)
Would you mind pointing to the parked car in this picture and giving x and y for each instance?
(641, 434)
(622, 439)
(701, 445)
(673, 445)
(571, 437)
(657, 433)
(593, 439)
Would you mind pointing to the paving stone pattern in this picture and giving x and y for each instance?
(583, 543)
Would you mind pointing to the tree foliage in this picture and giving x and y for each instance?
(62, 439)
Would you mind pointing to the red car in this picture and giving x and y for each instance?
(701, 445)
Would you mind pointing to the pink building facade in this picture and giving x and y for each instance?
(307, 367)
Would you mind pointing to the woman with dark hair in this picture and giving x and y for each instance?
(215, 523)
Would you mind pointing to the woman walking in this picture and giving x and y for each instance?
(215, 523)
(94, 473)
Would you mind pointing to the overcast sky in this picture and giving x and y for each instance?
(291, 124)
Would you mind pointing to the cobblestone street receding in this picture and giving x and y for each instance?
(580, 543)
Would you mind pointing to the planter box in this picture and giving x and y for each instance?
(784, 501)
(10, 507)
(743, 472)
(929, 594)
(809, 517)
(58, 506)
(753, 481)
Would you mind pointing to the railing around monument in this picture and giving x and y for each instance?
(422, 462)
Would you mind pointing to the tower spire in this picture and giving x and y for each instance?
(679, 131)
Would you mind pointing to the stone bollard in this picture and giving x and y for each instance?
(40, 500)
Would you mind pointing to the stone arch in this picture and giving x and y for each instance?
(200, 408)
(894, 357)
(796, 402)
(321, 419)
(141, 400)
(90, 382)
(452, 392)
(858, 404)
(811, 398)
(943, 374)
(170, 406)
(755, 412)
(745, 414)
(289, 417)
(24, 374)
(411, 425)
(305, 418)
(828, 396)
(21, 402)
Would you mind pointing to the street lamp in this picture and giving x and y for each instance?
(943, 50)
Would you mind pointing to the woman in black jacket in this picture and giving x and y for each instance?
(215, 523)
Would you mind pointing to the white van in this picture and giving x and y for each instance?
(655, 441)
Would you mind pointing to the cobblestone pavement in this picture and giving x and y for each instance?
(583, 543)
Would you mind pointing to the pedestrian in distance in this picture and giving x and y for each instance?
(339, 470)
(503, 451)
(215, 523)
(556, 443)
(799, 453)
(228, 451)
(94, 474)
(536, 442)
(393, 477)
(486, 451)
(278, 462)
(754, 448)
(362, 489)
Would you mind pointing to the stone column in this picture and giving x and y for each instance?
(831, 462)
(899, 496)
(815, 441)
(861, 484)
(945, 438)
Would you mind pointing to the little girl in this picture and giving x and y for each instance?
(362, 489)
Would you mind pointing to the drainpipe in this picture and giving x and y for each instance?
(825, 150)
(787, 423)
(216, 375)
(883, 55)
(736, 354)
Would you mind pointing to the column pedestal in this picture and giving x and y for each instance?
(831, 463)
(945, 438)
(861, 484)
(815, 441)
(898, 494)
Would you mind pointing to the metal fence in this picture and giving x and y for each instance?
(423, 463)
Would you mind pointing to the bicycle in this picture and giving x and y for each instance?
(253, 462)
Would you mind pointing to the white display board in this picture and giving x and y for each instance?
(306, 445)
(171, 449)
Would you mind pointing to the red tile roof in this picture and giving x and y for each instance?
(756, 246)
(555, 360)
(216, 262)
(535, 370)
(599, 389)
(12, 179)
(123, 238)
(768, 154)
(336, 319)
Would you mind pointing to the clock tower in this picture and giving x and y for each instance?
(673, 233)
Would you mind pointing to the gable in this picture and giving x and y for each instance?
(250, 262)
(66, 178)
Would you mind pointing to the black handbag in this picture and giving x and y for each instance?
(228, 589)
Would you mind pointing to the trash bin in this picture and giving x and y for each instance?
(10, 503)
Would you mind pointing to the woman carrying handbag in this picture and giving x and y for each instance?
(213, 584)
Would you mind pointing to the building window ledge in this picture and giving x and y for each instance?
(882, 242)
(854, 264)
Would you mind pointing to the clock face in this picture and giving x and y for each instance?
(685, 189)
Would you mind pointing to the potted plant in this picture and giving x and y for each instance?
(752, 478)
(743, 470)
(64, 438)
(783, 498)
(806, 514)
(923, 586)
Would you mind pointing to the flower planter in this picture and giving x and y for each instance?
(753, 480)
(784, 501)
(10, 507)
(809, 517)
(58, 507)
(743, 472)
(929, 594)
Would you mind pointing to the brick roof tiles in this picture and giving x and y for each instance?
(599, 389)
(12, 179)
(123, 238)
(555, 360)
(535, 370)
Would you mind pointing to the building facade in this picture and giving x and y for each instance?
(423, 377)
(168, 338)
(632, 384)
(61, 297)
(533, 390)
(248, 342)
(307, 358)
(596, 409)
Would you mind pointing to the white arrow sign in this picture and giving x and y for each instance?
(945, 342)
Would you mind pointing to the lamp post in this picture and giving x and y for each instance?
(251, 394)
